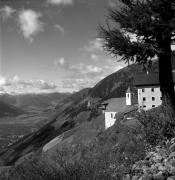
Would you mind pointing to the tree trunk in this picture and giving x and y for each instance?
(165, 74)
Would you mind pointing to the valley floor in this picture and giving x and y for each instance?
(13, 128)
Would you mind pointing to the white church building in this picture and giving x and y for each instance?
(113, 106)
(148, 90)
(145, 94)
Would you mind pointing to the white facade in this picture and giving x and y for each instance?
(110, 119)
(128, 99)
(149, 97)
(131, 96)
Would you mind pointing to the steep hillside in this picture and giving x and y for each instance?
(9, 110)
(116, 84)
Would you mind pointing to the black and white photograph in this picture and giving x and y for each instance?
(87, 89)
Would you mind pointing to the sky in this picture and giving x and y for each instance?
(52, 45)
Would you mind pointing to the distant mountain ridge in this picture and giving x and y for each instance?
(34, 101)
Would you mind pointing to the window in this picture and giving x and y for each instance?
(153, 106)
(152, 89)
(144, 106)
(111, 115)
(153, 98)
(128, 94)
(143, 90)
(144, 98)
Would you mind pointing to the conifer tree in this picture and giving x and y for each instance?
(152, 22)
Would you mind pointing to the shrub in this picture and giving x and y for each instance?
(156, 125)
(67, 164)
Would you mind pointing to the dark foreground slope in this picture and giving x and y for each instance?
(72, 119)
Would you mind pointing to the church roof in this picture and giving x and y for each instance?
(151, 79)
(116, 104)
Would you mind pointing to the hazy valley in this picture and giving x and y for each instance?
(23, 114)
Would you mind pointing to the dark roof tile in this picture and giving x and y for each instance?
(151, 79)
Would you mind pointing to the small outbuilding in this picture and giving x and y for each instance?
(114, 106)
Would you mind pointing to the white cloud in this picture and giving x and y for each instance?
(2, 81)
(15, 79)
(79, 69)
(62, 63)
(82, 75)
(30, 24)
(60, 28)
(6, 12)
(59, 62)
(42, 85)
(61, 2)
(94, 57)
(17, 86)
(75, 84)
(92, 69)
(94, 45)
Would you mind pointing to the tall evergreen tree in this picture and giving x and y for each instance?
(153, 24)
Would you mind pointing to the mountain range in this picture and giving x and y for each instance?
(33, 101)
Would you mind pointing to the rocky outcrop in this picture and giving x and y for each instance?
(159, 164)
